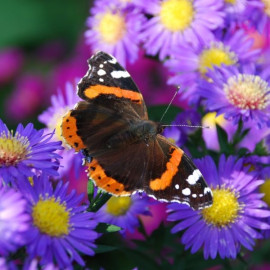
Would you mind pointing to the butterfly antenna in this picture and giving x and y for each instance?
(186, 126)
(176, 92)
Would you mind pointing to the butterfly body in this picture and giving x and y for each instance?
(128, 152)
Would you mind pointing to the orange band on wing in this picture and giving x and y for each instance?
(69, 132)
(94, 91)
(109, 184)
(171, 169)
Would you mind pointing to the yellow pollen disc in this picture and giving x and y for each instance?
(216, 55)
(266, 7)
(13, 149)
(172, 140)
(224, 210)
(55, 124)
(112, 27)
(31, 181)
(51, 217)
(247, 92)
(265, 188)
(211, 120)
(230, 1)
(177, 15)
(118, 206)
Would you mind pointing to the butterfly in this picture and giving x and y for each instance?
(124, 150)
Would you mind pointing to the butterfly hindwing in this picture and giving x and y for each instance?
(108, 84)
(180, 181)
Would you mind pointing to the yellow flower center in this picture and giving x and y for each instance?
(56, 122)
(51, 217)
(13, 149)
(224, 210)
(118, 206)
(177, 15)
(211, 120)
(230, 1)
(265, 188)
(247, 92)
(266, 7)
(112, 27)
(216, 55)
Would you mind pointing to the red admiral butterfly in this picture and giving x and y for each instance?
(127, 149)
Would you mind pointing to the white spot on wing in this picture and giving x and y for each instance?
(194, 177)
(101, 80)
(186, 192)
(117, 74)
(101, 65)
(113, 60)
(176, 186)
(101, 72)
(207, 189)
(194, 195)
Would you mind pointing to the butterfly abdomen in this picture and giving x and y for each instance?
(137, 132)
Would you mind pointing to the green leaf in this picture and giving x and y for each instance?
(260, 149)
(104, 248)
(90, 190)
(107, 228)
(155, 113)
(99, 201)
(225, 147)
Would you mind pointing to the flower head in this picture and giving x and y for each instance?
(26, 152)
(52, 118)
(239, 95)
(61, 227)
(14, 220)
(115, 30)
(177, 22)
(234, 219)
(124, 211)
(189, 64)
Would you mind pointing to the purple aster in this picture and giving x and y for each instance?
(189, 64)
(177, 22)
(124, 211)
(52, 118)
(14, 220)
(238, 94)
(61, 227)
(258, 13)
(179, 134)
(115, 30)
(26, 152)
(236, 217)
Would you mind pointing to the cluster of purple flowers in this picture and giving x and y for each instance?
(38, 212)
(218, 53)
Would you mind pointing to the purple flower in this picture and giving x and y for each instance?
(11, 60)
(14, 221)
(210, 135)
(115, 30)
(191, 64)
(238, 94)
(177, 22)
(61, 227)
(258, 13)
(124, 211)
(52, 118)
(179, 134)
(17, 106)
(236, 217)
(26, 152)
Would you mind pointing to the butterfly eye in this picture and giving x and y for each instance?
(160, 129)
